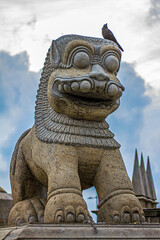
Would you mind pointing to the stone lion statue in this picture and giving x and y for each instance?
(70, 147)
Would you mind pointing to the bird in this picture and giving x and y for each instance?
(107, 34)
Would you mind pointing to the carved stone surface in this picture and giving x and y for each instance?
(70, 147)
(81, 231)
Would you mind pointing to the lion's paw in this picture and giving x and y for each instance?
(27, 211)
(121, 209)
(66, 207)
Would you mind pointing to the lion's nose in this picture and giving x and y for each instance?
(98, 73)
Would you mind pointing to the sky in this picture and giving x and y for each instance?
(27, 28)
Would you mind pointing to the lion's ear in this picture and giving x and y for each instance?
(54, 55)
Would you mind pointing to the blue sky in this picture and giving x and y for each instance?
(18, 89)
(27, 28)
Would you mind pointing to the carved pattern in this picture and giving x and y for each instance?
(63, 41)
(64, 190)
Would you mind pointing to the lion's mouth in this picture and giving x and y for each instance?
(79, 100)
(87, 91)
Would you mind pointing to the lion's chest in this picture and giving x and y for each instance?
(51, 158)
(88, 162)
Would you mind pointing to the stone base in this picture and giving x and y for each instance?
(81, 231)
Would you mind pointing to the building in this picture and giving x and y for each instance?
(6, 203)
(144, 189)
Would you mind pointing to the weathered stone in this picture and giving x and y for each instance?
(70, 147)
(143, 183)
(145, 179)
(81, 231)
(137, 181)
(150, 180)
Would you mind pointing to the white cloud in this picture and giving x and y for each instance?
(31, 25)
(154, 12)
(18, 90)
(150, 132)
(7, 125)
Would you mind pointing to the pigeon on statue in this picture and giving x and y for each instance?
(107, 34)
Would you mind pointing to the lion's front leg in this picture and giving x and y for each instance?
(27, 211)
(66, 205)
(65, 202)
(29, 204)
(117, 201)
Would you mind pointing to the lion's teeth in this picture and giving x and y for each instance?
(60, 88)
(66, 88)
(112, 89)
(85, 86)
(75, 86)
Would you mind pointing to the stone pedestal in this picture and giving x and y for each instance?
(81, 231)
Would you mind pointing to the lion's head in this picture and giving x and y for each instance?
(78, 83)
(83, 84)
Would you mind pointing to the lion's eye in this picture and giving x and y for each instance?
(112, 63)
(81, 60)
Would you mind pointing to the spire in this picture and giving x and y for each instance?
(150, 180)
(145, 179)
(137, 178)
